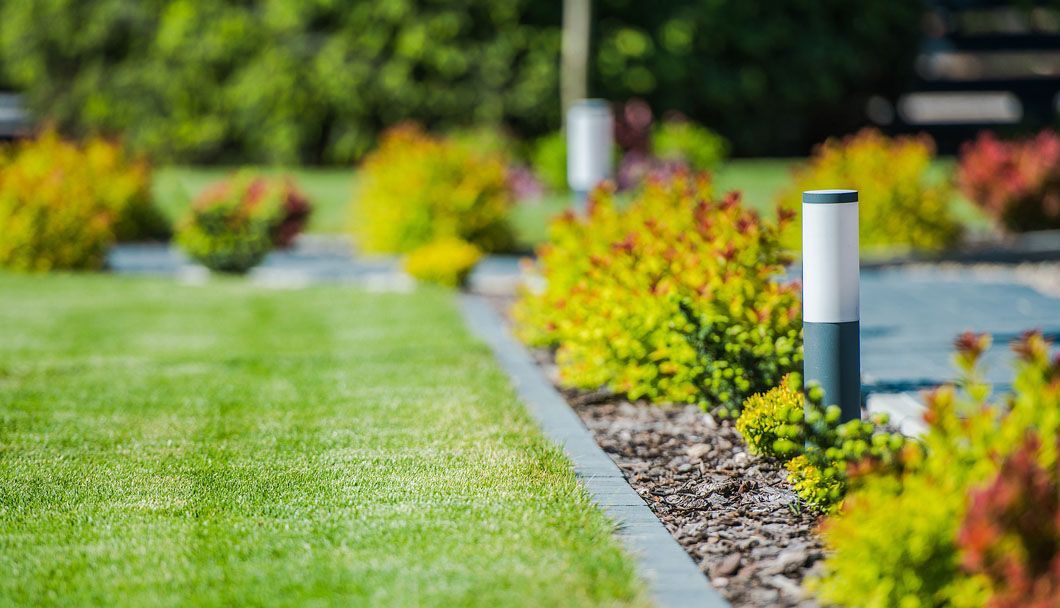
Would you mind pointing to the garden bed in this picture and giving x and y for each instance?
(733, 513)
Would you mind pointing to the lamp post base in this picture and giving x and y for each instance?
(833, 361)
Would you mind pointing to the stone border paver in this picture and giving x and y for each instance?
(672, 577)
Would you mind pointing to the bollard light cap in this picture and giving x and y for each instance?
(830, 196)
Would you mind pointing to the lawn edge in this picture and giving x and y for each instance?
(672, 578)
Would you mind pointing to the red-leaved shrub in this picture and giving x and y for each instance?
(1015, 182)
(1011, 532)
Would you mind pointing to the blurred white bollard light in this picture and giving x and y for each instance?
(590, 145)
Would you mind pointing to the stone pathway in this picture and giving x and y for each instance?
(909, 315)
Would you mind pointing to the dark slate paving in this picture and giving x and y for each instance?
(909, 320)
(315, 259)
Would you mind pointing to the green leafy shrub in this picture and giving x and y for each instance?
(674, 298)
(1011, 532)
(62, 204)
(235, 223)
(686, 142)
(900, 207)
(769, 422)
(1017, 183)
(280, 81)
(447, 261)
(895, 541)
(416, 188)
(819, 452)
(549, 160)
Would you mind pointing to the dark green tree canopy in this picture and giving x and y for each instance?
(316, 80)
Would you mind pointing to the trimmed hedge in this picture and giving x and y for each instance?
(316, 81)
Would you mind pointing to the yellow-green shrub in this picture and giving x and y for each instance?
(62, 204)
(819, 451)
(901, 207)
(447, 261)
(894, 543)
(675, 298)
(416, 188)
(770, 422)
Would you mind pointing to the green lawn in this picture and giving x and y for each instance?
(760, 179)
(166, 444)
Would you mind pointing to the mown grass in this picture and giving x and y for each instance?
(761, 180)
(164, 444)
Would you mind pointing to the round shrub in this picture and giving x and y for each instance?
(62, 204)
(901, 208)
(235, 223)
(675, 298)
(818, 450)
(697, 147)
(416, 188)
(549, 160)
(447, 261)
(771, 422)
(1017, 183)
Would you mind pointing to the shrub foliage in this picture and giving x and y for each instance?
(692, 145)
(901, 207)
(822, 455)
(314, 80)
(234, 224)
(62, 204)
(280, 80)
(1017, 182)
(447, 261)
(1011, 532)
(416, 188)
(675, 298)
(898, 540)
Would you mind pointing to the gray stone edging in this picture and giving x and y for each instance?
(672, 577)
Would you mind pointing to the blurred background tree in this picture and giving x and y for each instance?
(773, 76)
(315, 81)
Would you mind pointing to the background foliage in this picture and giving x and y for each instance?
(317, 80)
(772, 76)
(1016, 182)
(63, 203)
(279, 80)
(417, 188)
(901, 206)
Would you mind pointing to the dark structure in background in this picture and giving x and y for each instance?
(14, 122)
(982, 65)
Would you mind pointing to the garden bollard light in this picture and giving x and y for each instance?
(830, 300)
(590, 141)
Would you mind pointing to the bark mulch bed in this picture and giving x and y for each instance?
(733, 513)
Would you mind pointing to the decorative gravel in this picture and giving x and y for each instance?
(733, 513)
